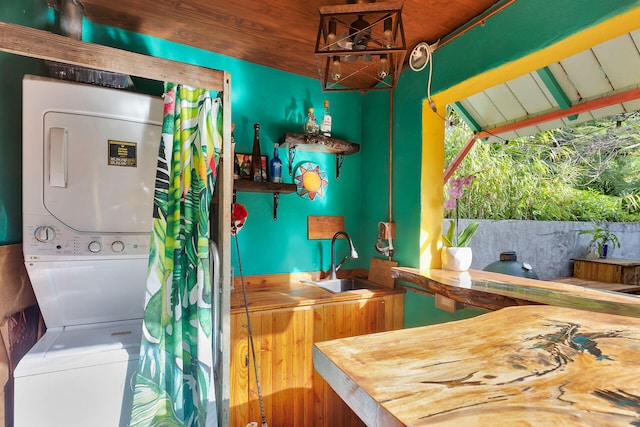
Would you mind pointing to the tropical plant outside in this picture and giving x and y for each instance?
(585, 173)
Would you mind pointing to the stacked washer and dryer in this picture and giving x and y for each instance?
(89, 162)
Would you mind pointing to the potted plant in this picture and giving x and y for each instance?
(600, 239)
(456, 253)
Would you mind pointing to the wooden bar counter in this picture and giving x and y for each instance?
(493, 291)
(532, 365)
(550, 354)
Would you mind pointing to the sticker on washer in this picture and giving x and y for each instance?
(122, 153)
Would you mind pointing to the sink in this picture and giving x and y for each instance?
(343, 285)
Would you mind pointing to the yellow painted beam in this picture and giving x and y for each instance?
(432, 174)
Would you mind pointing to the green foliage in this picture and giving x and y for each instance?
(602, 236)
(463, 239)
(585, 173)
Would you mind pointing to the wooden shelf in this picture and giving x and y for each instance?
(264, 187)
(318, 144)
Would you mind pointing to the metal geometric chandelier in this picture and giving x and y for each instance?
(360, 46)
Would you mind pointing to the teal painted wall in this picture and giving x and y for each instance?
(278, 100)
(12, 67)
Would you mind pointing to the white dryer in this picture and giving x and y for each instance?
(89, 161)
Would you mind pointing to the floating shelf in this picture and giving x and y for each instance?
(319, 144)
(264, 187)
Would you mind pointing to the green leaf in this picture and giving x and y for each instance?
(465, 237)
(448, 238)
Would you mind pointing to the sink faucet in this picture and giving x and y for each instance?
(353, 254)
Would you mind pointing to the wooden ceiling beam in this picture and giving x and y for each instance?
(41, 44)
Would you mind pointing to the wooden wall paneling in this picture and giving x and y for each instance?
(282, 358)
(238, 384)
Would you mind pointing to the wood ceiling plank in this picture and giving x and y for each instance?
(40, 44)
(280, 34)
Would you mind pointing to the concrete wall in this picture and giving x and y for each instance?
(547, 245)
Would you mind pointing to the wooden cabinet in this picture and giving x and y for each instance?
(608, 270)
(293, 394)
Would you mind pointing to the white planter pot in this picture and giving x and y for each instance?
(456, 259)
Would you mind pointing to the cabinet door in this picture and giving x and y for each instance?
(293, 394)
(597, 271)
(283, 345)
(343, 320)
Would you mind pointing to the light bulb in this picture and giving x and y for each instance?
(334, 69)
(331, 35)
(388, 33)
(383, 67)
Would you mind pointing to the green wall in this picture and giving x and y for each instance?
(12, 67)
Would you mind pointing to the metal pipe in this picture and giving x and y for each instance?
(391, 155)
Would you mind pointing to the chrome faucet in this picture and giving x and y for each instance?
(353, 254)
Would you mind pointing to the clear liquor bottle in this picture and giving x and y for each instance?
(325, 126)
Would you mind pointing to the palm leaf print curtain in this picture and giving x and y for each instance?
(174, 376)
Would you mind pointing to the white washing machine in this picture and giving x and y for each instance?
(89, 162)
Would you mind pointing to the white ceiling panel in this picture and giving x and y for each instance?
(632, 106)
(620, 61)
(563, 80)
(506, 102)
(586, 75)
(528, 92)
(600, 72)
(482, 103)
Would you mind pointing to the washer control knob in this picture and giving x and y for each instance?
(117, 246)
(44, 233)
(95, 247)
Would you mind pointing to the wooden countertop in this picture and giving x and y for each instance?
(271, 292)
(530, 365)
(612, 261)
(494, 291)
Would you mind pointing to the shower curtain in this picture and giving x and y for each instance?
(174, 382)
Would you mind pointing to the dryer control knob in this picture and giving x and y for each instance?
(117, 246)
(95, 247)
(44, 233)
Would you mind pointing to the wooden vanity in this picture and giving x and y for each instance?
(550, 354)
(287, 317)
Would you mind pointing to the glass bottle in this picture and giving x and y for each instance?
(276, 165)
(236, 164)
(311, 125)
(325, 126)
(256, 159)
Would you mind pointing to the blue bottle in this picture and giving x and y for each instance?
(276, 166)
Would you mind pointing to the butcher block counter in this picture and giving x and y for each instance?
(276, 291)
(549, 354)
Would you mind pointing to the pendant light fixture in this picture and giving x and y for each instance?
(360, 46)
